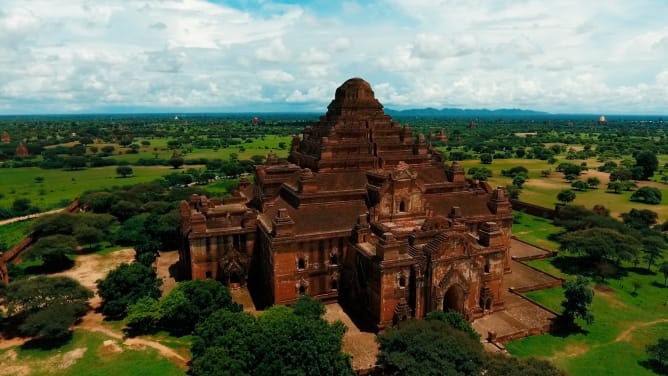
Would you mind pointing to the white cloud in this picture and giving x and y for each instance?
(566, 56)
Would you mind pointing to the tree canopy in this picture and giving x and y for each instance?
(46, 307)
(578, 297)
(125, 285)
(277, 342)
(429, 347)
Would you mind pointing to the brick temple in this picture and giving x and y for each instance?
(363, 212)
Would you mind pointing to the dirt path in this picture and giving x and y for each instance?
(626, 334)
(90, 268)
(31, 216)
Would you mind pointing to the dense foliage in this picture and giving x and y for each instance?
(279, 341)
(45, 307)
(125, 285)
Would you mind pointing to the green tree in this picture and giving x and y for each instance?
(88, 235)
(658, 355)
(125, 285)
(75, 162)
(503, 365)
(486, 158)
(308, 307)
(52, 224)
(640, 219)
(601, 244)
(176, 162)
(578, 296)
(663, 269)
(648, 195)
(519, 180)
(648, 163)
(579, 185)
(455, 320)
(46, 306)
(320, 347)
(53, 250)
(653, 247)
(22, 206)
(566, 196)
(593, 182)
(192, 302)
(143, 316)
(429, 347)
(124, 171)
(266, 345)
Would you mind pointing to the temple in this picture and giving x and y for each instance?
(363, 212)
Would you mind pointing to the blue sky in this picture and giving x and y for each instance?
(569, 56)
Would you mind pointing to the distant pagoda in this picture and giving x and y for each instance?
(22, 151)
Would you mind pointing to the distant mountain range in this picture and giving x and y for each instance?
(466, 113)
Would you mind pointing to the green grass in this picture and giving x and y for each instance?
(602, 349)
(11, 234)
(534, 230)
(61, 187)
(259, 146)
(97, 359)
(543, 190)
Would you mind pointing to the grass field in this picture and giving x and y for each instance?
(60, 187)
(13, 233)
(88, 353)
(543, 190)
(534, 230)
(626, 320)
(259, 146)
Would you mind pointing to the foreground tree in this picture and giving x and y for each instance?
(429, 347)
(125, 285)
(277, 342)
(191, 302)
(578, 297)
(46, 307)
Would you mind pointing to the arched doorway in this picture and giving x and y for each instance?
(454, 299)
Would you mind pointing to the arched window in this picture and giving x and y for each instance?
(301, 263)
(334, 284)
(402, 281)
(402, 206)
(302, 289)
(487, 265)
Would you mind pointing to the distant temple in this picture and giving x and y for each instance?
(5, 137)
(364, 213)
(21, 151)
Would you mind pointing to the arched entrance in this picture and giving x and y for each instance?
(454, 299)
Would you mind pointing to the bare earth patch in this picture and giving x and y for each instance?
(69, 358)
(361, 346)
(8, 365)
(90, 268)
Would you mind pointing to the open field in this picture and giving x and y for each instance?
(534, 230)
(158, 147)
(13, 233)
(625, 322)
(61, 187)
(543, 191)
